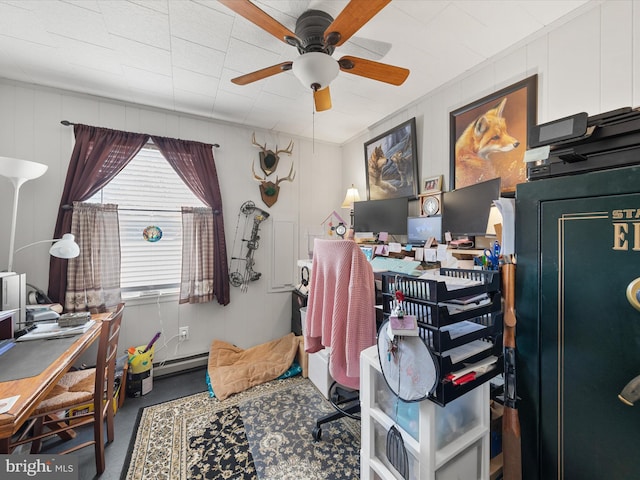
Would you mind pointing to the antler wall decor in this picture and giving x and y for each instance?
(268, 162)
(268, 158)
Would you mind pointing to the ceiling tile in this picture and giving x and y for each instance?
(73, 21)
(245, 57)
(142, 56)
(194, 23)
(136, 22)
(197, 58)
(181, 55)
(195, 82)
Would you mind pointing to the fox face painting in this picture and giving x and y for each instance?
(480, 150)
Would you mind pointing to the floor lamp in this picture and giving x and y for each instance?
(18, 171)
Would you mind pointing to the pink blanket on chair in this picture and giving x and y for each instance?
(341, 308)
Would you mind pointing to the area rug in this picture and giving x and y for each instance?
(263, 433)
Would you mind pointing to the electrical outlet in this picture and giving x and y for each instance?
(183, 332)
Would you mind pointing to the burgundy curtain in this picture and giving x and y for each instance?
(194, 163)
(98, 156)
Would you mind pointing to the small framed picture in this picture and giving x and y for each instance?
(432, 184)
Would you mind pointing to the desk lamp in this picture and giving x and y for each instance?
(65, 247)
(18, 172)
(351, 197)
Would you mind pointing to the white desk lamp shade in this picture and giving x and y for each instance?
(18, 171)
(66, 247)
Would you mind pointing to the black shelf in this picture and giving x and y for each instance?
(426, 298)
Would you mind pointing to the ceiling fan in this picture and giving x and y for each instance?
(316, 36)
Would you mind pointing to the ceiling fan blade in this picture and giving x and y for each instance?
(251, 12)
(322, 99)
(374, 70)
(263, 73)
(351, 19)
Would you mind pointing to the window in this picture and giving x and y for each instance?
(148, 193)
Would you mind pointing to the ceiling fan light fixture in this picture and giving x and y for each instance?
(315, 69)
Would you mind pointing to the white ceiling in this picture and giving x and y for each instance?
(181, 55)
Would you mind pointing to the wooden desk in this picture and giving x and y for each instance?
(33, 390)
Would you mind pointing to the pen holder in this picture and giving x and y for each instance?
(139, 360)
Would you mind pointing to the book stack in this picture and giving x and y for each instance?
(74, 319)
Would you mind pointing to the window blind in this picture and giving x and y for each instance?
(148, 192)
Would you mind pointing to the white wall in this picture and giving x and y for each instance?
(589, 62)
(30, 129)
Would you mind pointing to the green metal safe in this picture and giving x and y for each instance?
(578, 335)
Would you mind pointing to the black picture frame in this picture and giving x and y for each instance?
(391, 163)
(489, 137)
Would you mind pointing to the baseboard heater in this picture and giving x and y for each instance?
(180, 364)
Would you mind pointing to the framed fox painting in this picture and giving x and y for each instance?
(488, 138)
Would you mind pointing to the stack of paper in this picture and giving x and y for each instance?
(458, 354)
(473, 370)
(53, 330)
(452, 283)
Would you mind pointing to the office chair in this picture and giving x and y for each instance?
(78, 388)
(340, 316)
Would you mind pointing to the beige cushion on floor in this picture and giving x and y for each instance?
(232, 369)
(73, 388)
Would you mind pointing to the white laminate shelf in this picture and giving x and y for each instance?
(442, 443)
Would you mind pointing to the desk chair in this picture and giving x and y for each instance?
(78, 388)
(340, 316)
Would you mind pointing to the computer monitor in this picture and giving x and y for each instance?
(388, 215)
(465, 211)
(420, 229)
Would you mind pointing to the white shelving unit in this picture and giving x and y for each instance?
(443, 443)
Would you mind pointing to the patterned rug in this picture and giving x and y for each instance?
(261, 434)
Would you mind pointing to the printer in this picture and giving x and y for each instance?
(581, 143)
(40, 313)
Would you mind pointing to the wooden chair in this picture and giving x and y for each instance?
(77, 388)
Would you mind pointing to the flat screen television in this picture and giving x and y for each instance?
(388, 215)
(465, 211)
(420, 229)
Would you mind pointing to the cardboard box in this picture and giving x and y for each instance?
(88, 407)
(302, 357)
(139, 384)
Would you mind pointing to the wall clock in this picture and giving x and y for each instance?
(341, 229)
(430, 205)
